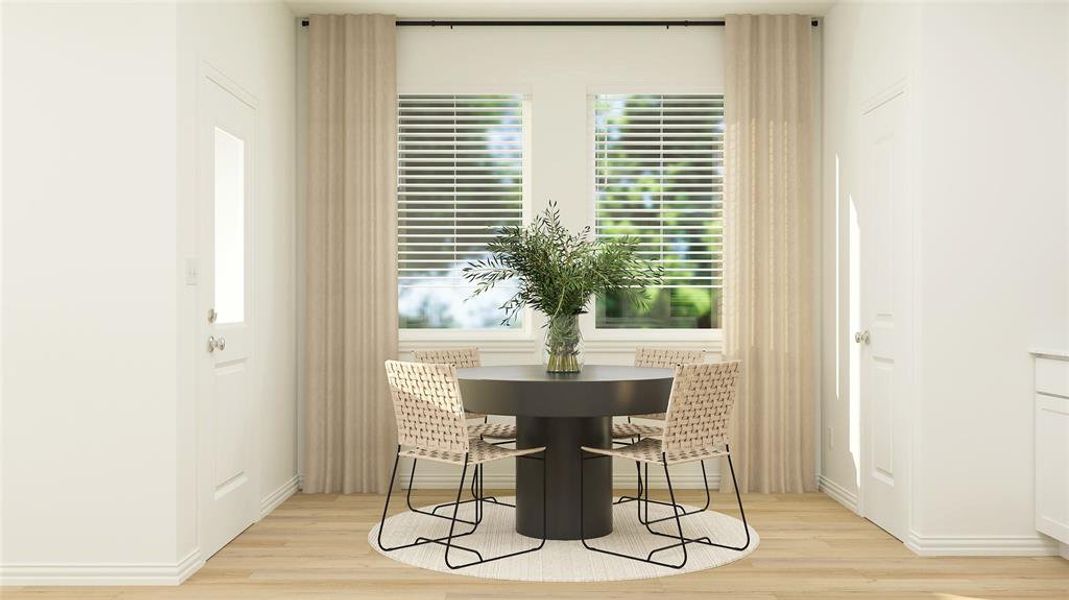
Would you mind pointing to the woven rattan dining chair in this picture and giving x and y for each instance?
(696, 428)
(431, 426)
(461, 358)
(661, 358)
(464, 358)
(500, 433)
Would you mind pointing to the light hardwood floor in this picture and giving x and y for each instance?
(315, 547)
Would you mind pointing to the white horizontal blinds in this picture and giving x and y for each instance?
(459, 177)
(659, 179)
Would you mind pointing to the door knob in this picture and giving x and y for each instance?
(862, 337)
(216, 343)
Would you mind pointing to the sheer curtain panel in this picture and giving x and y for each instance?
(768, 304)
(351, 253)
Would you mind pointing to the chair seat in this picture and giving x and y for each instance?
(500, 431)
(649, 450)
(478, 452)
(626, 430)
(473, 415)
(652, 416)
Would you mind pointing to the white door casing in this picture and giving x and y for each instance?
(885, 224)
(227, 473)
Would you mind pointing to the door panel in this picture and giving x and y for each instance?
(883, 443)
(885, 245)
(228, 501)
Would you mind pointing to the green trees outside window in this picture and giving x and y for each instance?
(658, 175)
(659, 178)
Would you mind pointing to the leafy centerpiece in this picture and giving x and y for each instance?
(557, 272)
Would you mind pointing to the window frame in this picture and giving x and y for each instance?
(587, 322)
(525, 332)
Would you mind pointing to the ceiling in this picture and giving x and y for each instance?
(562, 9)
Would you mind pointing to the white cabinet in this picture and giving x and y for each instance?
(1052, 445)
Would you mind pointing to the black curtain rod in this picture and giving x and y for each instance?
(561, 23)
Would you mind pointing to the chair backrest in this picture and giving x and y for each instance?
(700, 406)
(461, 358)
(666, 358)
(427, 405)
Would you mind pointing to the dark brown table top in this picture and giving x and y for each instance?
(596, 391)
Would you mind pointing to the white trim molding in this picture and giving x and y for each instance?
(604, 342)
(272, 501)
(838, 493)
(979, 545)
(126, 574)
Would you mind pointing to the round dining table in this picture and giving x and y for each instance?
(564, 411)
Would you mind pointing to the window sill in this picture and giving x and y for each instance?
(620, 341)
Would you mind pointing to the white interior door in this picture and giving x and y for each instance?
(882, 335)
(227, 474)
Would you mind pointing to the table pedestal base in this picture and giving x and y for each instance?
(562, 437)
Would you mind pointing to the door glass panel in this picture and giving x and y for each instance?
(229, 227)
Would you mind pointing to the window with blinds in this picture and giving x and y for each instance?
(659, 179)
(460, 170)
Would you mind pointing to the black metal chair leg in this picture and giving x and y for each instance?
(638, 496)
(432, 512)
(678, 508)
(481, 474)
(481, 560)
(389, 492)
(705, 539)
(482, 487)
(738, 497)
(646, 486)
(456, 507)
(386, 509)
(675, 513)
(644, 497)
(648, 559)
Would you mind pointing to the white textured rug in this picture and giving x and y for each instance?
(564, 560)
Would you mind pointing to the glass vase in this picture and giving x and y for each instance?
(563, 349)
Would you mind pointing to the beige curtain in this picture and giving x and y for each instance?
(351, 315)
(768, 249)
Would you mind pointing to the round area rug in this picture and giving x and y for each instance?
(563, 560)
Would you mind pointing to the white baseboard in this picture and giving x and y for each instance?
(271, 501)
(1025, 545)
(126, 574)
(189, 565)
(838, 493)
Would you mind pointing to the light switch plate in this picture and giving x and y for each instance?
(191, 271)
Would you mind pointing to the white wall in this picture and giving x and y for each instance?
(988, 107)
(89, 290)
(992, 275)
(98, 430)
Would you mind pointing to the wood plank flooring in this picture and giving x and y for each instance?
(313, 547)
